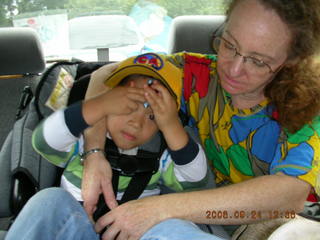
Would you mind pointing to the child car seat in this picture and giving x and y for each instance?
(21, 62)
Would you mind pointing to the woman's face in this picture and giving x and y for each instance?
(259, 33)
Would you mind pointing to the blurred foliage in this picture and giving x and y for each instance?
(192, 7)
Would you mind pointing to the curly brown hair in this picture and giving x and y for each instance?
(295, 91)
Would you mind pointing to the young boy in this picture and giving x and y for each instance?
(134, 109)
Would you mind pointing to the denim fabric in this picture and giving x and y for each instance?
(177, 229)
(54, 214)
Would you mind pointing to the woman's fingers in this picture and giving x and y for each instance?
(112, 233)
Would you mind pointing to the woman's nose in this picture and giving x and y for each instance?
(236, 65)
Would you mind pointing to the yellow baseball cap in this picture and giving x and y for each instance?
(153, 65)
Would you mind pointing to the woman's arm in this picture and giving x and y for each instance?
(97, 173)
(259, 198)
(266, 195)
(96, 84)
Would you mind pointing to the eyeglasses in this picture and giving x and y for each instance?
(253, 65)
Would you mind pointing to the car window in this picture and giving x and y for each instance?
(86, 29)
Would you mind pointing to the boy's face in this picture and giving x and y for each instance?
(134, 129)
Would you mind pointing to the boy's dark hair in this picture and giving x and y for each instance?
(134, 77)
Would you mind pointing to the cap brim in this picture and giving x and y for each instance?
(118, 75)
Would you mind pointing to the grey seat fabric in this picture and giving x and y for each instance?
(10, 93)
(2, 235)
(193, 33)
(22, 61)
(21, 52)
(5, 178)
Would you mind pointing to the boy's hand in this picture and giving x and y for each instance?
(166, 115)
(163, 105)
(119, 100)
(122, 99)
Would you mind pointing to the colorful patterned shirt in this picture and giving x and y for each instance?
(243, 143)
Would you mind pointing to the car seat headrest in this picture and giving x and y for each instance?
(194, 33)
(21, 52)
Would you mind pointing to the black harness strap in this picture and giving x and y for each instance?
(140, 168)
(136, 186)
(102, 207)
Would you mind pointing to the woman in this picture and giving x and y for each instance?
(257, 117)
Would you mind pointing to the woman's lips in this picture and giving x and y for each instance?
(230, 84)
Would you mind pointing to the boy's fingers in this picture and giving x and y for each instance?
(155, 95)
(131, 106)
(161, 89)
(137, 97)
(150, 90)
(136, 94)
(135, 90)
(151, 99)
(166, 98)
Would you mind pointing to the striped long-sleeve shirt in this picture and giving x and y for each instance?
(185, 169)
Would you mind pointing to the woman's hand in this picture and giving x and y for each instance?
(132, 219)
(97, 179)
(97, 173)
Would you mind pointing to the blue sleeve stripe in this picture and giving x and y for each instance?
(74, 119)
(291, 169)
(185, 155)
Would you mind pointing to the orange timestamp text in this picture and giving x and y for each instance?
(253, 214)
